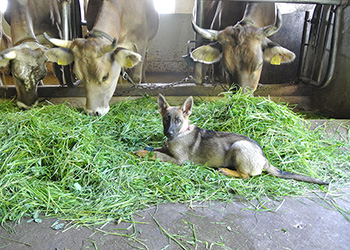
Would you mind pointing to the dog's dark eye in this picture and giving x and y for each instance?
(166, 118)
(177, 120)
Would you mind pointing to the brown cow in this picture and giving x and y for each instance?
(29, 19)
(220, 14)
(242, 48)
(129, 24)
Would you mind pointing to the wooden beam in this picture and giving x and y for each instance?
(153, 89)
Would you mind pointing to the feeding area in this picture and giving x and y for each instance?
(58, 162)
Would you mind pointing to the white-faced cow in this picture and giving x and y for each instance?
(119, 31)
(243, 47)
(5, 40)
(29, 19)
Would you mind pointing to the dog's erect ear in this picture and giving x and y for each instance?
(162, 105)
(187, 106)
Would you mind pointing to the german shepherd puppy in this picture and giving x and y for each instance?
(233, 154)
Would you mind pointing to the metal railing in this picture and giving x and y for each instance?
(330, 2)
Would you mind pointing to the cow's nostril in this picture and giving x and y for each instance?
(95, 112)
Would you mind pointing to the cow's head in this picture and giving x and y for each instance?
(97, 65)
(242, 49)
(28, 69)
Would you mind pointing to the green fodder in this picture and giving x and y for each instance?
(60, 162)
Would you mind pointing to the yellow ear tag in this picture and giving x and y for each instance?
(276, 60)
(209, 58)
(61, 61)
(128, 63)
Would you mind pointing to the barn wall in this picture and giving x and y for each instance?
(184, 6)
(165, 54)
(334, 99)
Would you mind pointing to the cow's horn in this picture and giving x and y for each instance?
(110, 47)
(272, 29)
(58, 42)
(212, 35)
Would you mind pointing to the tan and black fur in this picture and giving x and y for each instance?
(233, 154)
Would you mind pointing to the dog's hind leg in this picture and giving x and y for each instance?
(233, 173)
(246, 159)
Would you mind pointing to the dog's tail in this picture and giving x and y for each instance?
(286, 175)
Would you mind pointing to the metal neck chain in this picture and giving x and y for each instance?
(152, 86)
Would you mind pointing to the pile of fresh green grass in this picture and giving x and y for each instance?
(57, 161)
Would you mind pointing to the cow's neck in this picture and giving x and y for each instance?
(106, 20)
(21, 23)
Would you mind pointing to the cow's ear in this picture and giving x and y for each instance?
(127, 58)
(61, 56)
(207, 54)
(276, 54)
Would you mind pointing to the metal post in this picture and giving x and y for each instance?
(198, 67)
(307, 74)
(66, 16)
(334, 47)
(303, 44)
(199, 20)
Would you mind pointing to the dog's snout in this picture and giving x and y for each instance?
(170, 133)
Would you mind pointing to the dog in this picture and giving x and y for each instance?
(232, 154)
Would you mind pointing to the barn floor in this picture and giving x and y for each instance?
(318, 221)
(293, 223)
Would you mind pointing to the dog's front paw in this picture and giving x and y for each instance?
(142, 153)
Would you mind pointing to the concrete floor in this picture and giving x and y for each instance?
(317, 221)
(292, 223)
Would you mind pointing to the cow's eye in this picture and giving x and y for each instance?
(105, 77)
